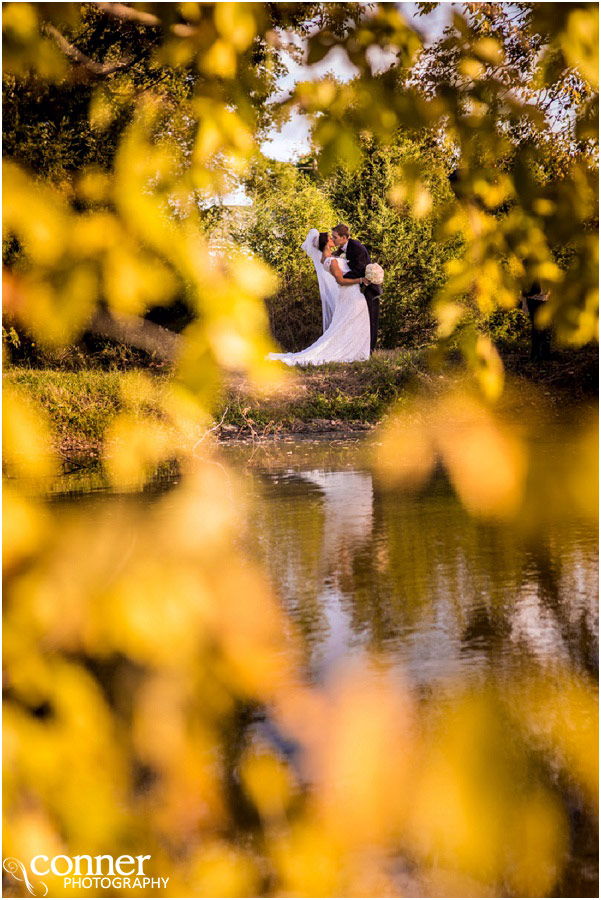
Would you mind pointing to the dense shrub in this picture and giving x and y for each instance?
(509, 329)
(399, 233)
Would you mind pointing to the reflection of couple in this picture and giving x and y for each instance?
(350, 303)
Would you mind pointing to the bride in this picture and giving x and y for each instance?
(345, 313)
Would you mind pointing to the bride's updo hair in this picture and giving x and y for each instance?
(322, 240)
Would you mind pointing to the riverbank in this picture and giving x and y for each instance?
(335, 398)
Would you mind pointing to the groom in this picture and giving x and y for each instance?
(358, 258)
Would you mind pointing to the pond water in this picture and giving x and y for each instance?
(451, 600)
(415, 576)
(448, 599)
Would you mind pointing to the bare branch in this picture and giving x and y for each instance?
(210, 430)
(122, 11)
(95, 68)
(128, 13)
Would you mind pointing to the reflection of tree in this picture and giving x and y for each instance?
(566, 585)
(419, 575)
(287, 532)
(436, 567)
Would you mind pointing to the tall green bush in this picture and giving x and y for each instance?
(399, 227)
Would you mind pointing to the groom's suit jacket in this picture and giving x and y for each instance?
(358, 258)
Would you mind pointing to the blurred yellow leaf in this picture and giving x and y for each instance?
(133, 449)
(24, 529)
(26, 441)
(20, 18)
(580, 42)
(489, 50)
(134, 281)
(404, 454)
(35, 214)
(487, 464)
(220, 60)
(448, 315)
(236, 23)
(471, 67)
(268, 783)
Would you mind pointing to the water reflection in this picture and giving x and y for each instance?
(454, 601)
(417, 577)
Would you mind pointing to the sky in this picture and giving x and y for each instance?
(292, 139)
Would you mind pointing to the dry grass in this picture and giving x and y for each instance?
(335, 397)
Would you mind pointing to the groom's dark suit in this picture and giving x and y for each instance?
(358, 259)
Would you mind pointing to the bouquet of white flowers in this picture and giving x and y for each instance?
(374, 273)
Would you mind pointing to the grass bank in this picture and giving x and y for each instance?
(323, 398)
(80, 405)
(332, 398)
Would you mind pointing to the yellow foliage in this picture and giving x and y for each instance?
(162, 603)
(565, 716)
(35, 214)
(268, 783)
(422, 201)
(364, 760)
(580, 42)
(24, 529)
(486, 465)
(134, 282)
(21, 19)
(471, 67)
(220, 60)
(489, 50)
(133, 450)
(224, 871)
(463, 817)
(236, 22)
(26, 445)
(406, 453)
(308, 865)
(448, 315)
(485, 460)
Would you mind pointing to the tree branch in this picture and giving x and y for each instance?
(90, 65)
(122, 11)
(128, 13)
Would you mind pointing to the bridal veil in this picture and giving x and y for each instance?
(328, 288)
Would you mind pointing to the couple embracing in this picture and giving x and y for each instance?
(350, 286)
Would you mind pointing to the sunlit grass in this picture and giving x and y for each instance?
(81, 405)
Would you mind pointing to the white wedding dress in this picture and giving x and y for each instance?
(345, 317)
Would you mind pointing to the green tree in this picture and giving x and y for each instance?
(488, 119)
(76, 76)
(101, 58)
(398, 224)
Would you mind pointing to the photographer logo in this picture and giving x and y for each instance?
(83, 872)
